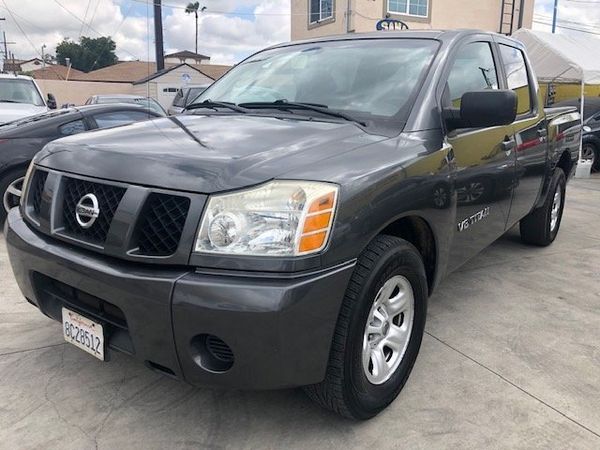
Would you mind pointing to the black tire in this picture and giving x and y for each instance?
(5, 181)
(346, 389)
(536, 226)
(593, 147)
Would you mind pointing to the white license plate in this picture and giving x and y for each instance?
(83, 333)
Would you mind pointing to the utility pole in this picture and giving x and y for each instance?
(158, 36)
(43, 57)
(554, 16)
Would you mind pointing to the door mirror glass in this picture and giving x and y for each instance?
(482, 109)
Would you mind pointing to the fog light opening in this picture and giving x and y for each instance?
(212, 353)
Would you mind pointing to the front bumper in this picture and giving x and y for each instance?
(278, 327)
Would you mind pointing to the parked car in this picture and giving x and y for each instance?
(184, 97)
(591, 128)
(147, 102)
(20, 140)
(288, 229)
(20, 97)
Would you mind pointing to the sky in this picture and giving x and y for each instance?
(229, 30)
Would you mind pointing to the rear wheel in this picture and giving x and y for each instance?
(591, 152)
(378, 333)
(11, 186)
(541, 226)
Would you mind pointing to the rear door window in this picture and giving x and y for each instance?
(517, 76)
(75, 127)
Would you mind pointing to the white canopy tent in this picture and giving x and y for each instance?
(561, 58)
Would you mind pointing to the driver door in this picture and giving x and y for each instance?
(484, 158)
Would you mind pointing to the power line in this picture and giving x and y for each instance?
(567, 28)
(84, 18)
(21, 29)
(89, 26)
(225, 13)
(578, 25)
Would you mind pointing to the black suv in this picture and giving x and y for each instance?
(288, 230)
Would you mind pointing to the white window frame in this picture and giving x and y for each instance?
(407, 13)
(321, 17)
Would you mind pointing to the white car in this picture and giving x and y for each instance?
(20, 97)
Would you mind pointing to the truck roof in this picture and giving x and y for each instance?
(443, 35)
(18, 77)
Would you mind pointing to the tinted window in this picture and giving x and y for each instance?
(473, 70)
(179, 99)
(516, 76)
(77, 126)
(114, 119)
(194, 92)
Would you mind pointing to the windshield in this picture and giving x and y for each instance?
(15, 90)
(363, 78)
(195, 92)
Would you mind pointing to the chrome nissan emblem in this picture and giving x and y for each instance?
(87, 211)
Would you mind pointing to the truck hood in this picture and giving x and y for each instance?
(202, 154)
(14, 111)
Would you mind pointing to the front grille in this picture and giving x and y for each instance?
(37, 188)
(160, 227)
(108, 197)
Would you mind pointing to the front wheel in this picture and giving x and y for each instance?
(541, 226)
(590, 152)
(378, 333)
(11, 187)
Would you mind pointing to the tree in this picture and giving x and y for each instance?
(193, 8)
(88, 54)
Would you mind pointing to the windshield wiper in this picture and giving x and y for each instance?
(286, 105)
(214, 105)
(8, 101)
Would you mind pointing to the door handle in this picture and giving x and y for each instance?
(508, 145)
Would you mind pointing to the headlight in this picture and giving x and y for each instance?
(25, 185)
(280, 218)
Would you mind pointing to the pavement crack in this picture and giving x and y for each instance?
(516, 386)
(16, 352)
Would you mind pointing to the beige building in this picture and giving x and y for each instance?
(312, 18)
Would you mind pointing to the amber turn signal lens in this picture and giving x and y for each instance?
(322, 203)
(317, 222)
(312, 241)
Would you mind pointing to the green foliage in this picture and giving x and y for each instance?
(192, 8)
(88, 54)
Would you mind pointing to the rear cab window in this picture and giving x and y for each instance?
(517, 77)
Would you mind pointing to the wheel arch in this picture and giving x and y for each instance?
(416, 230)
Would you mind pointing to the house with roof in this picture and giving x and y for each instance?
(161, 85)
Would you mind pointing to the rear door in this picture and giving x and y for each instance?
(529, 129)
(483, 157)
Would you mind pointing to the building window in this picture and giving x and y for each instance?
(320, 10)
(408, 7)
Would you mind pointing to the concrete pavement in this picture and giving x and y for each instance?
(511, 359)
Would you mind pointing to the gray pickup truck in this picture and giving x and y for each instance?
(288, 229)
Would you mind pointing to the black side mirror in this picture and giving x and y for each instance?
(482, 109)
(51, 101)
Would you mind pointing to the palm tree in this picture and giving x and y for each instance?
(193, 8)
